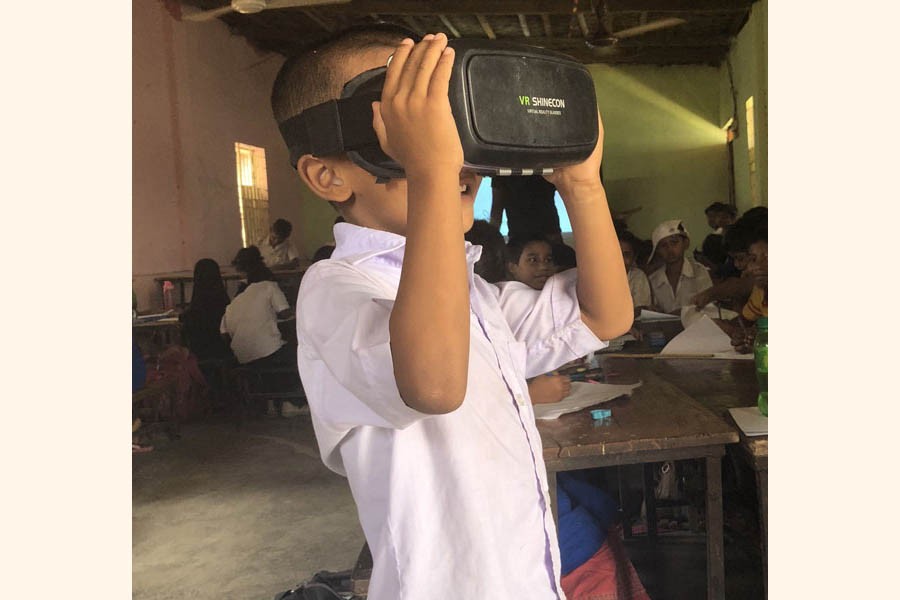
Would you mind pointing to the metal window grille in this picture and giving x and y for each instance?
(253, 192)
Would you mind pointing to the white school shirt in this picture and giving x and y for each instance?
(273, 256)
(252, 321)
(639, 286)
(693, 280)
(453, 505)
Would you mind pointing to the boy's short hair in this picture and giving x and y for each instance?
(517, 244)
(314, 75)
(745, 231)
(492, 264)
(564, 256)
(629, 238)
(721, 207)
(282, 228)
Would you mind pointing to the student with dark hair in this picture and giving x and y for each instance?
(734, 285)
(278, 252)
(529, 259)
(719, 216)
(564, 257)
(251, 320)
(416, 366)
(200, 321)
(492, 264)
(638, 284)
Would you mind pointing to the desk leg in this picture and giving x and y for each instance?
(762, 490)
(715, 554)
(650, 500)
(554, 507)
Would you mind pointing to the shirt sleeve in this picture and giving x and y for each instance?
(753, 309)
(548, 322)
(279, 302)
(641, 291)
(343, 319)
(223, 328)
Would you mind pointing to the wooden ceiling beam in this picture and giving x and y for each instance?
(312, 16)
(677, 5)
(582, 23)
(486, 26)
(635, 42)
(548, 28)
(413, 24)
(449, 25)
(462, 7)
(523, 23)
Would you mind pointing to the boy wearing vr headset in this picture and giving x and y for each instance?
(415, 367)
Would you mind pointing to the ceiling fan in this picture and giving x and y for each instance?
(253, 6)
(605, 41)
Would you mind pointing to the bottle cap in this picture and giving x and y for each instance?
(601, 413)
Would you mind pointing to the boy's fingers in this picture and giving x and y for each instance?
(440, 79)
(426, 65)
(411, 66)
(395, 68)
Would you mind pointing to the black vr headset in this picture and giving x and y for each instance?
(519, 110)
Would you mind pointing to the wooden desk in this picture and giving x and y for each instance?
(717, 385)
(658, 423)
(181, 278)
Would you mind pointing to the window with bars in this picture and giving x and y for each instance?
(253, 192)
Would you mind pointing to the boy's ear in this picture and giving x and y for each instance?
(324, 178)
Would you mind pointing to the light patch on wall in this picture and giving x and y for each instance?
(706, 128)
(751, 151)
(253, 192)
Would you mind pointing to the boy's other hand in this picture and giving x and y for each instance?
(546, 389)
(413, 121)
(585, 174)
(702, 299)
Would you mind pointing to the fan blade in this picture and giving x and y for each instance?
(205, 15)
(275, 4)
(652, 26)
(208, 15)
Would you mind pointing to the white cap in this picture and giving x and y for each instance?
(664, 230)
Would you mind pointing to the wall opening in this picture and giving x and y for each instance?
(253, 192)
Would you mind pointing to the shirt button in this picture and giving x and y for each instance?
(520, 400)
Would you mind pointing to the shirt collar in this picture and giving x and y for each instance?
(688, 269)
(357, 244)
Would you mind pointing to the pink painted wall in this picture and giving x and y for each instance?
(197, 90)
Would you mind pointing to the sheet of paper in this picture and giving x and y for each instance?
(750, 420)
(617, 344)
(692, 314)
(702, 337)
(583, 395)
(651, 315)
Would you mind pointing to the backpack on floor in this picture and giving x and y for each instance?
(325, 585)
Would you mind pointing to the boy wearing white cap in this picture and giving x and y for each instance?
(680, 277)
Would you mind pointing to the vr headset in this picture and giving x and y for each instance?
(519, 110)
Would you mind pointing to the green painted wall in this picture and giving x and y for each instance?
(664, 149)
(749, 60)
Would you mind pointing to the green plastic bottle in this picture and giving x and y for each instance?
(761, 357)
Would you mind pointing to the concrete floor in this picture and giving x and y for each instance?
(226, 514)
(243, 515)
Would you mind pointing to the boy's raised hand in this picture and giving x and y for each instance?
(583, 174)
(413, 121)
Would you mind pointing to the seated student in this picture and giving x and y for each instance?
(277, 250)
(680, 278)
(250, 322)
(757, 305)
(733, 290)
(719, 216)
(530, 261)
(491, 266)
(638, 283)
(200, 320)
(416, 365)
(711, 254)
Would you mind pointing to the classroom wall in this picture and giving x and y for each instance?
(749, 61)
(197, 90)
(664, 150)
